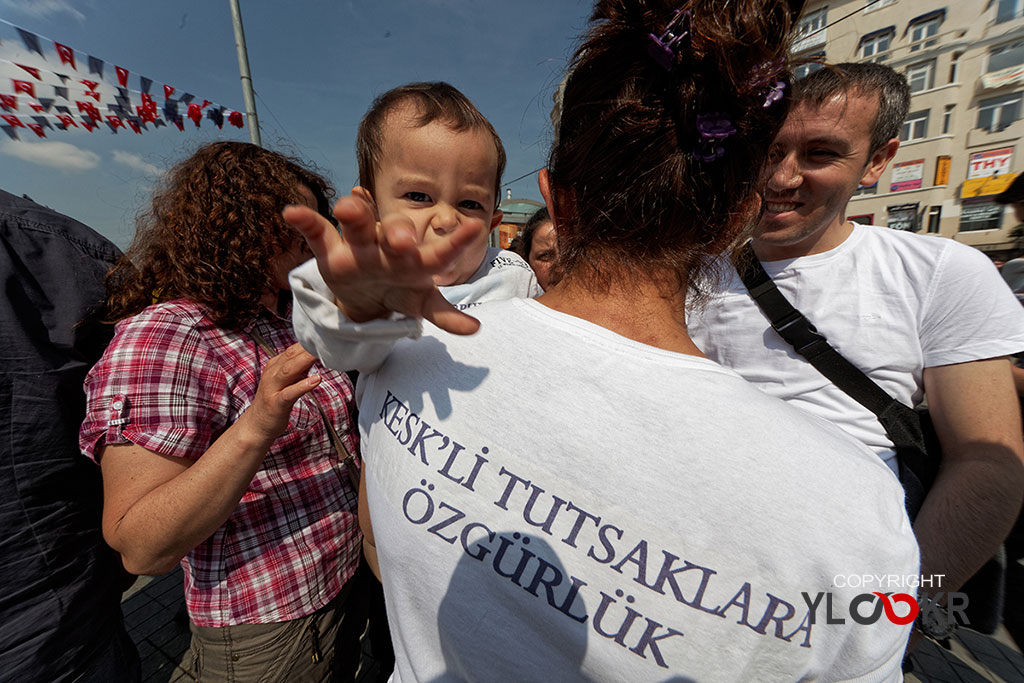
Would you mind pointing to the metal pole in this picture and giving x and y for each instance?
(243, 69)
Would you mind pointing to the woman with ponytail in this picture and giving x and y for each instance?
(565, 488)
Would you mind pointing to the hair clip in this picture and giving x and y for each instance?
(774, 94)
(712, 128)
(662, 49)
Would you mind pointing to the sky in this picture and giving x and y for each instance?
(316, 65)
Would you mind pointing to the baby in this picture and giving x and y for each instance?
(426, 153)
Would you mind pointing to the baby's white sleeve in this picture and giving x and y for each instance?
(323, 330)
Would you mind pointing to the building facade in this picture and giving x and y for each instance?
(960, 144)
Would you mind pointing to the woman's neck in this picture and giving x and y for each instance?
(640, 312)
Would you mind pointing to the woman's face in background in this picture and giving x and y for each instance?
(543, 253)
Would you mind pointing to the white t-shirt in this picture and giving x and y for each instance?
(552, 501)
(341, 344)
(891, 302)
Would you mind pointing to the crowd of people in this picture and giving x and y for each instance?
(646, 446)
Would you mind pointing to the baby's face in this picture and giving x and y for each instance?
(439, 178)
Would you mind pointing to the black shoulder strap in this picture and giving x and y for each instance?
(900, 422)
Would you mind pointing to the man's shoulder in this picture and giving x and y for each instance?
(25, 221)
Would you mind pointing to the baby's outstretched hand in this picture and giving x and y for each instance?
(379, 268)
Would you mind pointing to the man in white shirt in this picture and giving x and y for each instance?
(921, 316)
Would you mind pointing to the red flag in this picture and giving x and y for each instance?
(206, 103)
(146, 114)
(67, 120)
(26, 87)
(32, 70)
(122, 76)
(114, 121)
(93, 94)
(168, 91)
(36, 107)
(89, 125)
(37, 129)
(66, 54)
(90, 110)
(90, 85)
(134, 126)
(195, 112)
(235, 119)
(180, 123)
(148, 103)
(12, 120)
(9, 102)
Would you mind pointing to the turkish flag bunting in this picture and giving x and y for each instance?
(148, 103)
(195, 112)
(32, 70)
(26, 87)
(91, 85)
(206, 103)
(36, 107)
(134, 126)
(114, 121)
(235, 119)
(168, 91)
(9, 102)
(180, 123)
(122, 76)
(66, 54)
(89, 125)
(67, 120)
(93, 94)
(145, 114)
(37, 129)
(13, 120)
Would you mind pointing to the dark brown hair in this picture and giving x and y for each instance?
(210, 234)
(435, 101)
(637, 196)
(866, 79)
(538, 219)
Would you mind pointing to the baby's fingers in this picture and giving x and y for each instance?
(437, 310)
(318, 232)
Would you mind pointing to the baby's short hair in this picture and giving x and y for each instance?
(434, 101)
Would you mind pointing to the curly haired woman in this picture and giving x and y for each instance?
(212, 433)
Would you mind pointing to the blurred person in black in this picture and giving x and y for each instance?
(60, 614)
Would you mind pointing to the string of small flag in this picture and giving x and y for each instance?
(69, 106)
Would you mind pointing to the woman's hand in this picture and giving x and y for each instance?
(283, 382)
(377, 268)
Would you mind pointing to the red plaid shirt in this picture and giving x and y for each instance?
(171, 381)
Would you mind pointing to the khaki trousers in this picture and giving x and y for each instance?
(299, 651)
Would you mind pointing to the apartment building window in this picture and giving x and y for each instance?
(921, 76)
(874, 45)
(915, 127)
(934, 217)
(1008, 9)
(810, 32)
(810, 67)
(1006, 56)
(947, 118)
(998, 113)
(923, 28)
(871, 5)
(954, 67)
(980, 216)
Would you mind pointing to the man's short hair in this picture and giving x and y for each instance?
(862, 79)
(434, 101)
(1014, 194)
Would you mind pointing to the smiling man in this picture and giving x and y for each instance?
(924, 317)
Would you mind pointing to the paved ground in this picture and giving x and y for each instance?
(154, 611)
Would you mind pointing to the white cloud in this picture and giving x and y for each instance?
(60, 155)
(42, 8)
(136, 162)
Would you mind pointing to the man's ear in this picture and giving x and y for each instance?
(496, 219)
(364, 194)
(878, 161)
